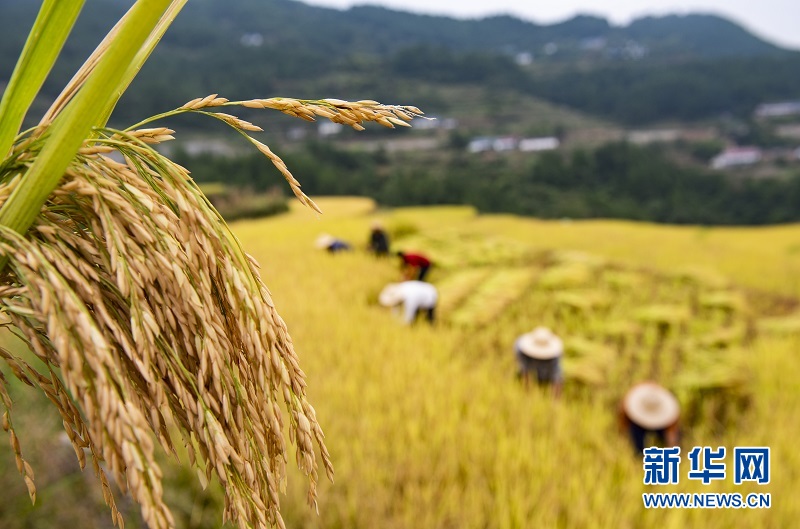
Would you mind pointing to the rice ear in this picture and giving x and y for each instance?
(132, 289)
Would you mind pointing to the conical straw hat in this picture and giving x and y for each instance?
(540, 344)
(651, 406)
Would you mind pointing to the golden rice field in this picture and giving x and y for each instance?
(428, 427)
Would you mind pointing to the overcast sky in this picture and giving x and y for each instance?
(777, 21)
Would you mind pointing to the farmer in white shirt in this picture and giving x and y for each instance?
(415, 296)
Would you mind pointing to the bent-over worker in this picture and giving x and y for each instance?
(414, 296)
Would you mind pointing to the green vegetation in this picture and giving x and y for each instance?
(645, 93)
(691, 67)
(235, 203)
(614, 181)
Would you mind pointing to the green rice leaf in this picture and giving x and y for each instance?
(74, 124)
(143, 55)
(45, 40)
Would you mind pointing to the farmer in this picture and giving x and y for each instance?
(539, 354)
(378, 240)
(414, 264)
(415, 296)
(649, 409)
(331, 244)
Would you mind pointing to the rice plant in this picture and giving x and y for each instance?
(630, 325)
(455, 288)
(443, 435)
(493, 295)
(149, 323)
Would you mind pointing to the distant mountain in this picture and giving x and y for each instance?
(245, 47)
(376, 30)
(697, 35)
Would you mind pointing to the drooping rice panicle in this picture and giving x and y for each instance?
(132, 287)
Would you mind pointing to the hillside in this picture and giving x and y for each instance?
(250, 47)
(615, 180)
(688, 83)
(428, 427)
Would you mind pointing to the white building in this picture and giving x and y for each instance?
(644, 137)
(736, 156)
(539, 144)
(481, 144)
(775, 110)
(504, 143)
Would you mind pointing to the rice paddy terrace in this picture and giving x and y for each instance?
(428, 426)
(431, 427)
(688, 329)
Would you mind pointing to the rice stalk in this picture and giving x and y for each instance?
(130, 289)
(147, 314)
(353, 114)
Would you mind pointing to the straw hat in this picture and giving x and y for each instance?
(391, 295)
(324, 240)
(540, 344)
(651, 406)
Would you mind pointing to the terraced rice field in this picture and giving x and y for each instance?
(428, 426)
(620, 324)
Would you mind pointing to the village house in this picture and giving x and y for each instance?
(539, 144)
(512, 143)
(777, 110)
(736, 156)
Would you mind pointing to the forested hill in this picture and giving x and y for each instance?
(242, 48)
(220, 24)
